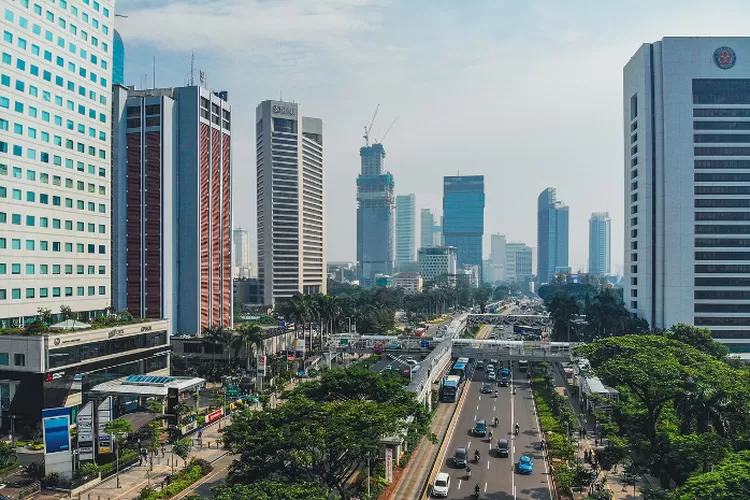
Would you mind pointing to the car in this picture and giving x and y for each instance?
(493, 361)
(505, 373)
(503, 448)
(486, 389)
(441, 485)
(504, 382)
(491, 376)
(525, 465)
(480, 428)
(411, 361)
(490, 368)
(480, 365)
(460, 457)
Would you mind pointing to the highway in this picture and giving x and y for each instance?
(496, 476)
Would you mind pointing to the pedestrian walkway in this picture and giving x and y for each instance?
(589, 440)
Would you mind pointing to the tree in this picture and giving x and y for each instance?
(45, 315)
(67, 313)
(700, 338)
(482, 295)
(251, 336)
(272, 490)
(563, 310)
(219, 335)
(182, 449)
(120, 429)
(729, 480)
(302, 440)
(7, 454)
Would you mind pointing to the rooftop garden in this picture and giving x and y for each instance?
(45, 319)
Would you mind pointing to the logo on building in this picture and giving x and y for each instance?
(724, 57)
(57, 340)
(283, 110)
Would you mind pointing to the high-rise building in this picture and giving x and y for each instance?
(518, 262)
(118, 60)
(687, 167)
(437, 262)
(241, 254)
(438, 239)
(497, 258)
(55, 170)
(375, 216)
(599, 244)
(171, 206)
(426, 228)
(291, 221)
(405, 229)
(552, 236)
(463, 217)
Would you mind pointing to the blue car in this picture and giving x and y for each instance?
(480, 429)
(525, 465)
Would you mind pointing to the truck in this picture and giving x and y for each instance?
(451, 388)
(523, 365)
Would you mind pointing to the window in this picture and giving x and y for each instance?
(30, 269)
(16, 294)
(20, 359)
(68, 291)
(15, 269)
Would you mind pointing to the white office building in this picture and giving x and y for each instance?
(687, 184)
(518, 262)
(437, 262)
(241, 254)
(291, 223)
(599, 244)
(55, 119)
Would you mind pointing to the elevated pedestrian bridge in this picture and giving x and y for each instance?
(540, 320)
(470, 348)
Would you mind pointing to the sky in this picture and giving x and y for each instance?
(529, 94)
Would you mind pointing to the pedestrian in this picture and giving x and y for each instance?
(162, 450)
(596, 442)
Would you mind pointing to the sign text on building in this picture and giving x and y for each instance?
(283, 110)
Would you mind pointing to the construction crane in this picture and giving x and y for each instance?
(388, 130)
(368, 129)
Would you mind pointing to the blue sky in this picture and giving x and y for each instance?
(527, 93)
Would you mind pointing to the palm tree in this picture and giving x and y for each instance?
(251, 336)
(219, 335)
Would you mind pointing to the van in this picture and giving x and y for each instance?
(502, 448)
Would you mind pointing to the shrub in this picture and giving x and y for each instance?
(87, 469)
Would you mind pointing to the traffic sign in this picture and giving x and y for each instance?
(233, 391)
(424, 344)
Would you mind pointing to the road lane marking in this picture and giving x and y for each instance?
(469, 447)
(485, 487)
(488, 465)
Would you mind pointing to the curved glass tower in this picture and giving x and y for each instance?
(118, 63)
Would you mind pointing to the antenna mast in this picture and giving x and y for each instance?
(192, 68)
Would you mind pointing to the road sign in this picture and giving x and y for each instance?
(425, 344)
(233, 391)
(344, 342)
(388, 464)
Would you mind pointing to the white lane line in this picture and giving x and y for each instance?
(488, 465)
(515, 494)
(459, 483)
(494, 408)
(468, 447)
(485, 487)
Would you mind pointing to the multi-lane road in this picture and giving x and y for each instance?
(497, 477)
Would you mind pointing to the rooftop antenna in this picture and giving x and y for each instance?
(153, 78)
(192, 68)
(368, 129)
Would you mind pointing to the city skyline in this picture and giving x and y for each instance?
(329, 77)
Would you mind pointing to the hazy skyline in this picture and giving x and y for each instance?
(528, 95)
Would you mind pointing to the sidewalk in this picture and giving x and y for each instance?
(615, 479)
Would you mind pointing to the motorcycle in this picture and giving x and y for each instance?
(468, 473)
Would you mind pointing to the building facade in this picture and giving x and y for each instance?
(686, 170)
(410, 283)
(405, 229)
(172, 182)
(291, 195)
(241, 254)
(497, 258)
(463, 217)
(376, 205)
(599, 244)
(552, 235)
(518, 262)
(437, 262)
(426, 228)
(55, 172)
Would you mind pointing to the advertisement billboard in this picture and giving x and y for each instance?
(85, 424)
(56, 430)
(262, 365)
(104, 415)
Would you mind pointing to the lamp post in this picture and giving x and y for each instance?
(117, 462)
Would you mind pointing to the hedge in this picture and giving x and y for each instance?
(180, 481)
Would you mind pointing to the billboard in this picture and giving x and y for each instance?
(56, 430)
(104, 415)
(85, 424)
(262, 365)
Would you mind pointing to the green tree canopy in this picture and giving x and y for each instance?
(272, 490)
(729, 480)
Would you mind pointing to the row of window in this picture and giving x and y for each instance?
(56, 246)
(722, 229)
(722, 216)
(20, 85)
(721, 321)
(721, 268)
(721, 138)
(722, 242)
(708, 125)
(728, 164)
(56, 179)
(722, 255)
(44, 157)
(43, 293)
(721, 113)
(722, 190)
(31, 269)
(44, 199)
(64, 23)
(722, 203)
(722, 295)
(31, 220)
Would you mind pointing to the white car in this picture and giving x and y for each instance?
(442, 485)
(491, 376)
(411, 362)
(490, 367)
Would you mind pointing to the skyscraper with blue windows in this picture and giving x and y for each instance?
(118, 60)
(552, 236)
(463, 217)
(376, 205)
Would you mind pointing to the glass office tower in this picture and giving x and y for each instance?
(463, 217)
